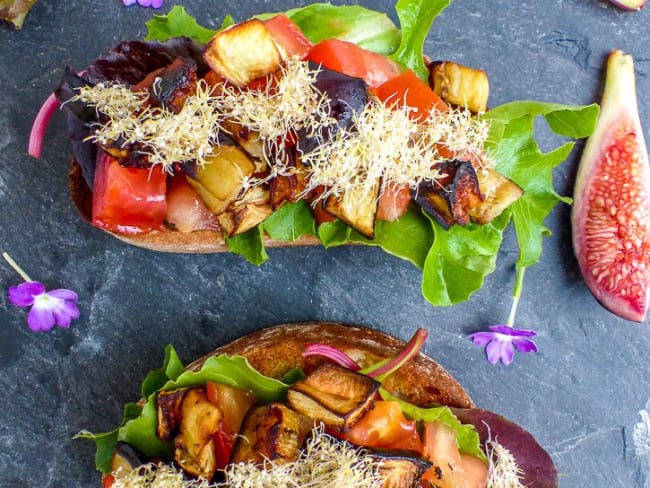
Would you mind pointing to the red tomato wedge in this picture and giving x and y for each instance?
(385, 427)
(393, 202)
(288, 36)
(409, 90)
(128, 200)
(350, 59)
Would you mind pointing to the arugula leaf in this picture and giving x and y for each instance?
(334, 233)
(416, 18)
(250, 245)
(459, 260)
(467, 437)
(410, 237)
(290, 221)
(177, 23)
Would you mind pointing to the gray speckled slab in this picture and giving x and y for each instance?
(579, 396)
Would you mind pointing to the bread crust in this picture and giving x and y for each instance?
(199, 241)
(276, 350)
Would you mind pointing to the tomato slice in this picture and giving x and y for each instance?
(393, 202)
(288, 36)
(128, 200)
(409, 90)
(352, 60)
(385, 427)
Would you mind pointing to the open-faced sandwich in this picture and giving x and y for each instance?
(320, 125)
(310, 405)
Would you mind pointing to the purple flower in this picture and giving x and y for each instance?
(501, 341)
(144, 3)
(56, 307)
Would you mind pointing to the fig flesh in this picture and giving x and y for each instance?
(611, 213)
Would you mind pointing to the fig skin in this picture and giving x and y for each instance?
(610, 217)
(629, 4)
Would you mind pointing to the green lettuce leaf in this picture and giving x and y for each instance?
(467, 437)
(177, 23)
(290, 221)
(250, 245)
(138, 426)
(416, 18)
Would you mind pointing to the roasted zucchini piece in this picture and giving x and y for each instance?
(499, 193)
(357, 208)
(459, 85)
(221, 180)
(333, 395)
(399, 470)
(249, 140)
(194, 445)
(168, 407)
(271, 432)
(451, 198)
(243, 52)
(125, 459)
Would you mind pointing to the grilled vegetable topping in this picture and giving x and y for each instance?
(336, 396)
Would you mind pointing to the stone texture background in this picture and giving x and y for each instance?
(579, 396)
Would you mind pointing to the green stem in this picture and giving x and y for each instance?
(16, 268)
(516, 294)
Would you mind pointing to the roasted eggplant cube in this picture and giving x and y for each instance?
(194, 445)
(451, 199)
(221, 180)
(399, 470)
(125, 459)
(334, 395)
(243, 52)
(168, 407)
(459, 85)
(173, 84)
(357, 208)
(271, 432)
(499, 191)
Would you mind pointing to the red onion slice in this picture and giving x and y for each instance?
(36, 136)
(382, 370)
(332, 353)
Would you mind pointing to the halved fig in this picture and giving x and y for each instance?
(611, 211)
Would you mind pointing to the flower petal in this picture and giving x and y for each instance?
(23, 294)
(493, 352)
(524, 345)
(65, 313)
(40, 319)
(64, 294)
(481, 338)
(128, 2)
(157, 3)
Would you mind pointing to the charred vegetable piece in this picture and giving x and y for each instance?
(194, 445)
(243, 52)
(168, 406)
(287, 188)
(459, 85)
(399, 470)
(273, 432)
(499, 191)
(249, 140)
(347, 95)
(126, 458)
(171, 85)
(450, 199)
(334, 395)
(221, 180)
(357, 208)
(247, 212)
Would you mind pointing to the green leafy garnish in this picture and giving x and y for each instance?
(177, 23)
(416, 18)
(138, 426)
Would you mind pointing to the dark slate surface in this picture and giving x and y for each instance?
(580, 395)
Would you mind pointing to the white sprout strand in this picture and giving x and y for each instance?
(166, 137)
(503, 471)
(154, 475)
(641, 434)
